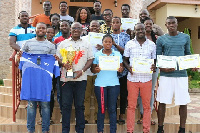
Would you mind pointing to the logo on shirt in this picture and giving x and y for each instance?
(46, 64)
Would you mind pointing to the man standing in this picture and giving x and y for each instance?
(156, 29)
(121, 38)
(140, 47)
(173, 82)
(125, 9)
(94, 27)
(107, 27)
(65, 30)
(44, 17)
(97, 9)
(74, 88)
(38, 45)
(63, 12)
(21, 33)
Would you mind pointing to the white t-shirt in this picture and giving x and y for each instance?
(67, 17)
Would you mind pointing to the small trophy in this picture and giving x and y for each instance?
(69, 56)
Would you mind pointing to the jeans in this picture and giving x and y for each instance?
(59, 93)
(123, 94)
(31, 114)
(73, 90)
(110, 99)
(154, 79)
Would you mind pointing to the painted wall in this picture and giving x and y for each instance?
(192, 23)
(161, 15)
(179, 10)
(37, 7)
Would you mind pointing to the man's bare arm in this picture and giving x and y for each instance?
(12, 42)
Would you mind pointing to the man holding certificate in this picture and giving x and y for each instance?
(106, 64)
(77, 57)
(140, 52)
(172, 82)
(121, 38)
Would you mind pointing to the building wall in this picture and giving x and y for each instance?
(193, 24)
(161, 15)
(179, 10)
(7, 22)
(9, 11)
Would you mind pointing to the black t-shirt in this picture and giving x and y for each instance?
(98, 18)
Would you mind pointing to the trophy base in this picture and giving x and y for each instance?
(70, 74)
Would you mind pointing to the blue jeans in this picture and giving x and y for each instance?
(154, 79)
(31, 114)
(73, 90)
(110, 99)
(59, 93)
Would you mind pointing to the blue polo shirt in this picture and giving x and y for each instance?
(105, 77)
(22, 34)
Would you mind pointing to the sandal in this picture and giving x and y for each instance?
(153, 122)
(140, 121)
(121, 120)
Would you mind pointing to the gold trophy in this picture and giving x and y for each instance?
(69, 56)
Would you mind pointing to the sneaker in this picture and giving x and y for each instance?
(160, 131)
(61, 119)
(51, 122)
(86, 121)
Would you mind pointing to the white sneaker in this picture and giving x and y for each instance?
(61, 119)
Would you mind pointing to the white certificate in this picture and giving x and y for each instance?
(128, 23)
(166, 61)
(189, 61)
(142, 65)
(109, 63)
(95, 38)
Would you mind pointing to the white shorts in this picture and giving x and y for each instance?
(173, 86)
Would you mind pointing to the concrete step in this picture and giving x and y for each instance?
(6, 112)
(5, 89)
(6, 97)
(7, 82)
(92, 128)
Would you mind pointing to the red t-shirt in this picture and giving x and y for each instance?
(60, 39)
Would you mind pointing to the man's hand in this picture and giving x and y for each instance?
(97, 69)
(99, 47)
(121, 69)
(67, 66)
(153, 68)
(194, 69)
(167, 70)
(78, 74)
(56, 57)
(130, 70)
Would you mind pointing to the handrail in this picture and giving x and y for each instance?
(16, 84)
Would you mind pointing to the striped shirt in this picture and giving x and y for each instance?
(178, 45)
(34, 46)
(146, 51)
(22, 34)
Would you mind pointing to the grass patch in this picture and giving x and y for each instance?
(194, 84)
(1, 82)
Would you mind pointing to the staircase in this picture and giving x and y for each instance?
(171, 120)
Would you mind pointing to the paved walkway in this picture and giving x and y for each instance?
(194, 107)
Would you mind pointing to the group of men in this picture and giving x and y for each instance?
(33, 39)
